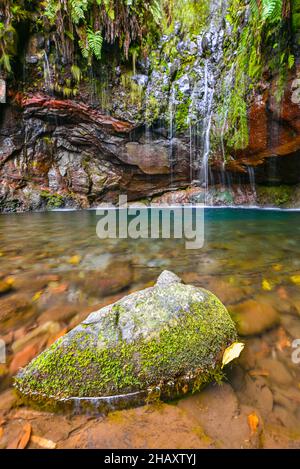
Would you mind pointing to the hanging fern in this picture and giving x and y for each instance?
(95, 41)
(156, 11)
(271, 10)
(78, 10)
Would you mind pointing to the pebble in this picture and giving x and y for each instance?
(254, 316)
(278, 373)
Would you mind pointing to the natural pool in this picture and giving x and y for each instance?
(55, 271)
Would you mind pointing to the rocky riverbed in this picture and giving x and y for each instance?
(50, 285)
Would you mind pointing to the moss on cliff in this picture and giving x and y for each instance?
(275, 196)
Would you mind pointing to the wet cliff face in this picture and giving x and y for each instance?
(180, 115)
(63, 153)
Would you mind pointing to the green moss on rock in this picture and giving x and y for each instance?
(170, 338)
(274, 195)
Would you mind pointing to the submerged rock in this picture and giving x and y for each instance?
(162, 342)
(254, 316)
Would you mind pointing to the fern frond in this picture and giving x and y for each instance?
(95, 41)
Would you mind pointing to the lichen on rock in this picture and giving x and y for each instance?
(165, 340)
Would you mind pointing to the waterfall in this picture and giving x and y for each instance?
(172, 105)
(229, 82)
(206, 125)
(251, 175)
(47, 73)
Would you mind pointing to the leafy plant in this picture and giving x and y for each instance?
(80, 25)
(95, 41)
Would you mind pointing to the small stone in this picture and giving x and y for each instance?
(23, 357)
(278, 373)
(254, 316)
(115, 277)
(60, 312)
(292, 325)
(7, 400)
(48, 329)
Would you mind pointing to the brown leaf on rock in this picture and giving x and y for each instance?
(25, 437)
(253, 422)
(259, 373)
(283, 340)
(23, 357)
(52, 339)
(282, 293)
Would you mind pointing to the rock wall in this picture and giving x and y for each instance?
(56, 153)
(142, 128)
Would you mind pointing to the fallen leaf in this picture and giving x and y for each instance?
(283, 340)
(295, 279)
(232, 352)
(10, 280)
(74, 260)
(25, 437)
(266, 285)
(23, 357)
(52, 339)
(59, 288)
(185, 389)
(37, 295)
(43, 442)
(277, 267)
(253, 422)
(259, 373)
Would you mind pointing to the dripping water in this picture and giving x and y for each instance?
(229, 82)
(251, 175)
(206, 125)
(47, 73)
(172, 107)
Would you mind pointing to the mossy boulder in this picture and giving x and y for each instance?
(163, 341)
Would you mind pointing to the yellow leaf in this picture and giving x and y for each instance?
(37, 295)
(253, 422)
(10, 281)
(295, 279)
(266, 285)
(277, 267)
(74, 260)
(232, 352)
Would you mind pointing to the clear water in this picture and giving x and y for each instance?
(61, 272)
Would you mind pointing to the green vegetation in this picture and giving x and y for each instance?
(79, 25)
(274, 195)
(258, 46)
(52, 200)
(264, 48)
